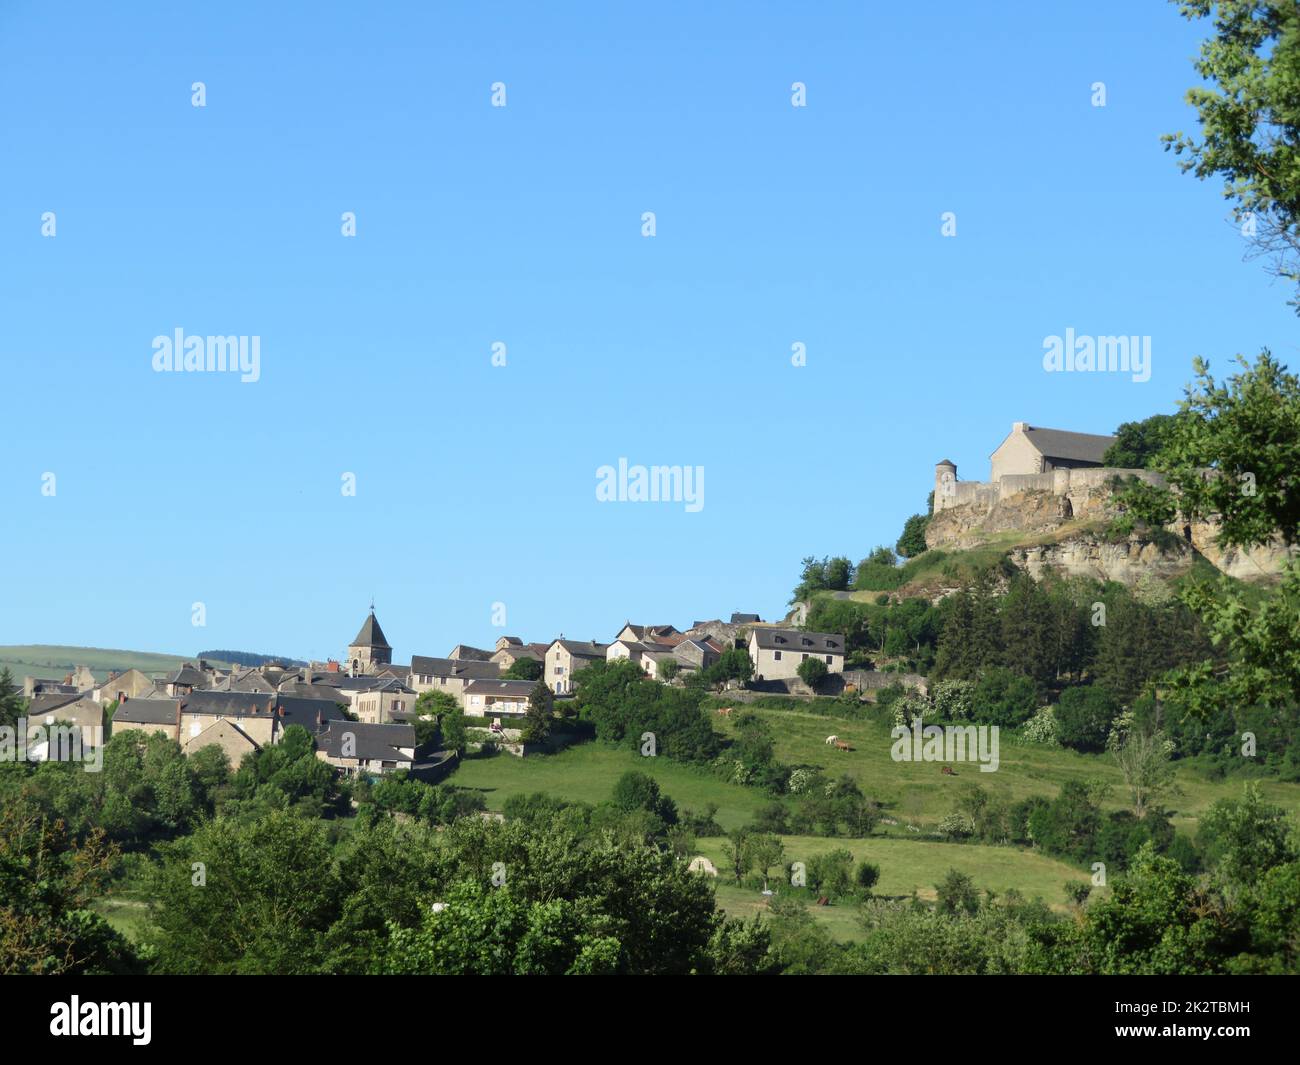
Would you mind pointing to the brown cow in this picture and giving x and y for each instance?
(947, 771)
(725, 711)
(840, 745)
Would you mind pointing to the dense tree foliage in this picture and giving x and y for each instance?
(1249, 111)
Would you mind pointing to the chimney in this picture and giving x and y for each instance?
(1019, 427)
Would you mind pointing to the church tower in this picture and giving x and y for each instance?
(369, 650)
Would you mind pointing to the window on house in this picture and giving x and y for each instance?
(776, 655)
(803, 658)
(829, 659)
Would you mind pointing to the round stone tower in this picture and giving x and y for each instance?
(945, 484)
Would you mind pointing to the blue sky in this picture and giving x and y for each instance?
(522, 224)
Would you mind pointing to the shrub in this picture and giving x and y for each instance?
(1084, 716)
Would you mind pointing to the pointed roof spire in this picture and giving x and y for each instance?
(371, 635)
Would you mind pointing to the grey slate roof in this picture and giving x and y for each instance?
(744, 619)
(228, 704)
(188, 675)
(48, 703)
(584, 648)
(514, 688)
(147, 711)
(371, 635)
(1062, 444)
(469, 653)
(306, 712)
(454, 667)
(369, 742)
(793, 640)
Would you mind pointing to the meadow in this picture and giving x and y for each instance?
(915, 796)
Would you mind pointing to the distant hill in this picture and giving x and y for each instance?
(247, 658)
(53, 661)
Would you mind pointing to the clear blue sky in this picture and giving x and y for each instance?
(476, 484)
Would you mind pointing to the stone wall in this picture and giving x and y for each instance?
(1082, 485)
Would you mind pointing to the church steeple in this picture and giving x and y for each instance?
(369, 649)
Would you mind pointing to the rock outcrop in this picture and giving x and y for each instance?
(1066, 532)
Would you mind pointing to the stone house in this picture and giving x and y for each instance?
(496, 698)
(466, 653)
(1029, 449)
(131, 684)
(82, 710)
(510, 649)
(565, 657)
(665, 634)
(448, 675)
(696, 653)
(777, 653)
(360, 747)
(385, 701)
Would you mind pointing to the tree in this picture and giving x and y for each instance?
(867, 876)
(1142, 755)
(12, 704)
(668, 669)
(48, 880)
(235, 898)
(1083, 717)
(737, 849)
(1002, 698)
(1155, 921)
(524, 669)
(451, 729)
(733, 664)
(911, 542)
(537, 720)
(1249, 112)
(767, 851)
(1138, 443)
(957, 894)
(880, 556)
(1243, 839)
(638, 791)
(831, 873)
(839, 571)
(812, 670)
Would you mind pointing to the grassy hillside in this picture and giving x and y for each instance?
(921, 794)
(53, 661)
(913, 794)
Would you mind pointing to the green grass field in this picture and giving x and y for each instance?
(919, 793)
(54, 661)
(905, 866)
(127, 916)
(916, 794)
(588, 772)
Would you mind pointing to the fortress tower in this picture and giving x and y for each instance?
(945, 484)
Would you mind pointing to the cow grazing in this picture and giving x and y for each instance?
(840, 745)
(830, 740)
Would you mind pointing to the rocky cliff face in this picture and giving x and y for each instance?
(1066, 533)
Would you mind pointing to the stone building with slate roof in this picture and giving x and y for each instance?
(369, 651)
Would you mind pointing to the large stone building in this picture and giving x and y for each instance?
(778, 653)
(369, 651)
(1031, 449)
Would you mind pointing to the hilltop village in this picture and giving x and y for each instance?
(361, 708)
